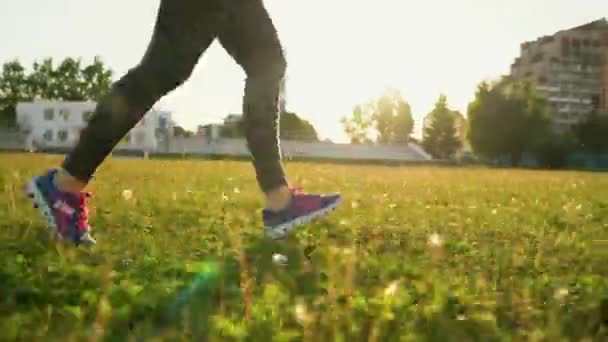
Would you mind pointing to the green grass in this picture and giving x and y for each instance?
(414, 254)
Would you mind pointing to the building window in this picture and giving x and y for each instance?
(62, 135)
(87, 115)
(65, 114)
(162, 122)
(49, 114)
(25, 124)
(538, 57)
(48, 135)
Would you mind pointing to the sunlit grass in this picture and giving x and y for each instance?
(415, 253)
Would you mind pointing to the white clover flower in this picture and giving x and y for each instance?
(279, 259)
(127, 194)
(435, 240)
(301, 313)
(560, 294)
(391, 289)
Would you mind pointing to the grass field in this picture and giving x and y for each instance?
(414, 254)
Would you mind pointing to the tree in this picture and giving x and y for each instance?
(358, 125)
(404, 123)
(233, 130)
(69, 81)
(591, 134)
(292, 127)
(441, 137)
(179, 131)
(507, 118)
(552, 148)
(13, 89)
(392, 116)
(96, 80)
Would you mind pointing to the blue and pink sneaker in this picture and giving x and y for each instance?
(65, 212)
(303, 208)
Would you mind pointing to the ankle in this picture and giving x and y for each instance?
(279, 198)
(68, 183)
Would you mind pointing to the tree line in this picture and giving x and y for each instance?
(389, 120)
(69, 80)
(506, 120)
(72, 80)
(509, 119)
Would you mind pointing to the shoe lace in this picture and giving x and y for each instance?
(296, 190)
(82, 212)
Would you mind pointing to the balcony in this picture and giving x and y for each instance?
(549, 88)
(564, 99)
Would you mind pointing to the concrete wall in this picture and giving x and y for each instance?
(238, 147)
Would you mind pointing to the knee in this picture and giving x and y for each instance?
(265, 79)
(270, 66)
(278, 66)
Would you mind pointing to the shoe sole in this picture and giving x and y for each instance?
(283, 230)
(35, 195)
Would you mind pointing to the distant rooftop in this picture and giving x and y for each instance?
(601, 24)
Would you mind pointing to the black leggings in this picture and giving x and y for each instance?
(184, 30)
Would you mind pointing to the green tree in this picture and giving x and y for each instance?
(441, 137)
(96, 80)
(42, 80)
(507, 119)
(13, 89)
(292, 127)
(393, 120)
(404, 122)
(552, 148)
(233, 130)
(389, 115)
(358, 125)
(179, 131)
(591, 134)
(69, 81)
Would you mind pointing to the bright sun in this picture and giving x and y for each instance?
(350, 52)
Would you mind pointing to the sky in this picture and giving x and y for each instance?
(340, 52)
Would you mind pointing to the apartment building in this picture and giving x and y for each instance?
(571, 68)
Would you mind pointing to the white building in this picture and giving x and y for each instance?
(57, 124)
